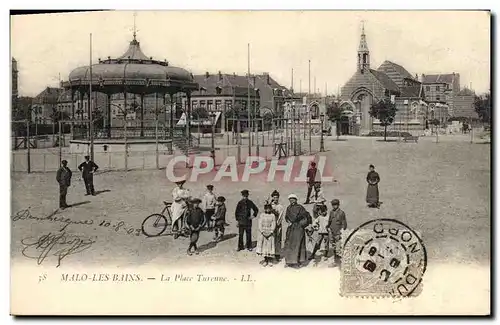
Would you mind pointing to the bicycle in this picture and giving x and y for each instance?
(156, 224)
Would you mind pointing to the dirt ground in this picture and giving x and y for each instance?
(441, 190)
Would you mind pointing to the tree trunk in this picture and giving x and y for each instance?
(337, 129)
(385, 132)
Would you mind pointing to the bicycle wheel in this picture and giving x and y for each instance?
(154, 225)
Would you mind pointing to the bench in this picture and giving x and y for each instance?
(411, 138)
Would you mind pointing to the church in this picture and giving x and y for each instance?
(367, 86)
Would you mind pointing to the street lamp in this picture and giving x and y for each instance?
(322, 143)
(212, 152)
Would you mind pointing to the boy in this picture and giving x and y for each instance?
(245, 211)
(320, 224)
(318, 198)
(209, 201)
(336, 223)
(265, 242)
(220, 218)
(194, 221)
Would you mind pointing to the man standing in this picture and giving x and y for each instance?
(63, 177)
(312, 178)
(88, 168)
(246, 210)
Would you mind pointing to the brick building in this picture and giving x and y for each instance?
(367, 85)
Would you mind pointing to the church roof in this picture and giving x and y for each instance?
(411, 91)
(386, 82)
(438, 78)
(399, 69)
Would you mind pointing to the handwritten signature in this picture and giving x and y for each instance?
(58, 244)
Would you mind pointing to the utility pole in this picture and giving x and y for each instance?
(248, 108)
(309, 109)
(91, 128)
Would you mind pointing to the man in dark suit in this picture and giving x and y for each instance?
(63, 177)
(88, 168)
(246, 210)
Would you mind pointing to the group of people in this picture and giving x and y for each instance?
(64, 174)
(322, 229)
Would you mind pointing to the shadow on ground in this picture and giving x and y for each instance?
(213, 244)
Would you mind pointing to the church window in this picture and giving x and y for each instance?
(365, 58)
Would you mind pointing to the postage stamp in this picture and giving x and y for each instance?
(382, 258)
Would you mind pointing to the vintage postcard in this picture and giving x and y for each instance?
(251, 163)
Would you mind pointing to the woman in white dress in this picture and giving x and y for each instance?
(179, 207)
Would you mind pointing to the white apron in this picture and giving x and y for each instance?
(179, 205)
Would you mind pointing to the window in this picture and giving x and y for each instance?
(210, 105)
(218, 105)
(202, 104)
(229, 104)
(218, 90)
(437, 88)
(194, 104)
(428, 88)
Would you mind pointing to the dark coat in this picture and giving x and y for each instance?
(195, 218)
(63, 176)
(246, 210)
(220, 215)
(311, 175)
(337, 221)
(295, 243)
(87, 167)
(372, 195)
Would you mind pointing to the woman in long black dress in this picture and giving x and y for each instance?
(372, 195)
(298, 219)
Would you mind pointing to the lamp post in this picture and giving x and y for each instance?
(322, 143)
(212, 151)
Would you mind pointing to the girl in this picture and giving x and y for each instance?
(265, 242)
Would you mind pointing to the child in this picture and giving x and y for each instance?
(336, 223)
(194, 221)
(318, 198)
(220, 218)
(265, 242)
(320, 224)
(209, 201)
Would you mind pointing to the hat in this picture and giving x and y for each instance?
(293, 196)
(221, 199)
(195, 200)
(371, 166)
(210, 187)
(275, 193)
(180, 182)
(87, 157)
(64, 162)
(245, 192)
(335, 202)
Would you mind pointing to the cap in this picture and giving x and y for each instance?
(221, 199)
(180, 182)
(293, 196)
(210, 186)
(245, 192)
(371, 166)
(275, 193)
(64, 161)
(87, 157)
(335, 202)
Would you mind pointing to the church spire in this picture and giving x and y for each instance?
(363, 51)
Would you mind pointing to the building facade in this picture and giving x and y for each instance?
(14, 87)
(367, 86)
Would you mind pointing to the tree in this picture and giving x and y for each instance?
(199, 113)
(482, 106)
(385, 111)
(334, 113)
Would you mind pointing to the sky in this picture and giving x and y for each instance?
(428, 42)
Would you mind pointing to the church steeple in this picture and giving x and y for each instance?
(363, 52)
